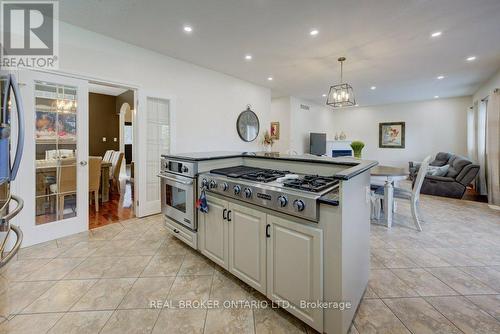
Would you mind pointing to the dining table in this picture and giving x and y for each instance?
(389, 176)
(49, 168)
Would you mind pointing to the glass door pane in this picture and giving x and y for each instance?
(158, 142)
(55, 153)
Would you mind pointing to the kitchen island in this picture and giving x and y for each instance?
(295, 228)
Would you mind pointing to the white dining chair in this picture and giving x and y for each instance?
(108, 156)
(413, 196)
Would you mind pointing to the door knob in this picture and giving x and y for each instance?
(83, 163)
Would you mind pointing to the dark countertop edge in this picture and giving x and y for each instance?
(327, 201)
(356, 169)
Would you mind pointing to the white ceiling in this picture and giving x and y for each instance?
(387, 42)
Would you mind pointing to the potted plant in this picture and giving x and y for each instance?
(268, 141)
(357, 146)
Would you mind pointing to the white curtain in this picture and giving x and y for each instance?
(482, 187)
(493, 148)
(476, 142)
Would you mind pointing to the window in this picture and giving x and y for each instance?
(128, 135)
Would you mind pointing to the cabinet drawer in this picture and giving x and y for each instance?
(182, 233)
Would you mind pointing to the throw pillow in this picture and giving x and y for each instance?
(438, 171)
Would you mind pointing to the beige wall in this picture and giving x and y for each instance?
(431, 126)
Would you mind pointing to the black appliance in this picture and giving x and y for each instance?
(317, 143)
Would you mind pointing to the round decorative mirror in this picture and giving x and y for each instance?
(248, 125)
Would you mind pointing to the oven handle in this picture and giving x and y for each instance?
(187, 183)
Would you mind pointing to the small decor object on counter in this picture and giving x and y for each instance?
(268, 141)
(248, 125)
(391, 135)
(275, 130)
(336, 136)
(357, 147)
(342, 136)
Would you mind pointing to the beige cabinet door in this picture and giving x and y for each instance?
(294, 268)
(247, 245)
(213, 231)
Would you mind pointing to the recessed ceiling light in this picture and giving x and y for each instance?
(314, 32)
(248, 57)
(324, 95)
(436, 34)
(373, 87)
(270, 78)
(471, 58)
(188, 29)
(436, 96)
(440, 77)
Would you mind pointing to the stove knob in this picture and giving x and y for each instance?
(282, 201)
(248, 192)
(237, 190)
(225, 186)
(213, 184)
(204, 183)
(185, 169)
(299, 205)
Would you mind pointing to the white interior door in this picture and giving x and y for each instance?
(53, 177)
(153, 126)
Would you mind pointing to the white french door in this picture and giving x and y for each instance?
(154, 139)
(53, 177)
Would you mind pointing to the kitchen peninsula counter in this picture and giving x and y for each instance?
(350, 166)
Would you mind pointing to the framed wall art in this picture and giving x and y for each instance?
(391, 135)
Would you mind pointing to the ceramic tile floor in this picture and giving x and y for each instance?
(445, 279)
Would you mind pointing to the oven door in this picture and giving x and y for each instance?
(178, 199)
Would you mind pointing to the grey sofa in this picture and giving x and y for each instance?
(460, 174)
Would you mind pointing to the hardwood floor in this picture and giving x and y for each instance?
(119, 207)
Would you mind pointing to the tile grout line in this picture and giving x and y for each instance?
(409, 330)
(479, 307)
(477, 278)
(451, 321)
(209, 295)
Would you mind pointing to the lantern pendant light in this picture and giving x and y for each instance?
(341, 95)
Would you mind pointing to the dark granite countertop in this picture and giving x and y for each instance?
(357, 166)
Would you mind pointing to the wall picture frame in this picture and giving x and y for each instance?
(275, 130)
(391, 135)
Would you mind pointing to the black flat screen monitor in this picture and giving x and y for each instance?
(317, 143)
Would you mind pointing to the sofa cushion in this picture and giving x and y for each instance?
(441, 159)
(456, 166)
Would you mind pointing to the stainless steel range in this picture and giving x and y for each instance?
(297, 196)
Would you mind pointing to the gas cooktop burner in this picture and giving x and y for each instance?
(266, 175)
(313, 183)
(250, 173)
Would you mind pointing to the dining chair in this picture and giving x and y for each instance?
(413, 196)
(107, 156)
(95, 179)
(66, 183)
(117, 164)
